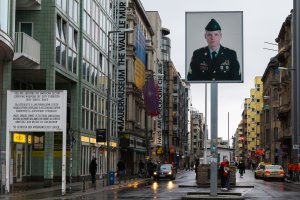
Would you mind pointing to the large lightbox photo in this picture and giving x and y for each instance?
(214, 47)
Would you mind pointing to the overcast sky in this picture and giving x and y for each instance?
(262, 22)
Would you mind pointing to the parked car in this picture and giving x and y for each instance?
(164, 171)
(269, 171)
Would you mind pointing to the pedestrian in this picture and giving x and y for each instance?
(120, 170)
(141, 169)
(290, 171)
(196, 167)
(253, 165)
(294, 168)
(192, 165)
(224, 172)
(227, 172)
(93, 170)
(214, 62)
(150, 168)
(241, 168)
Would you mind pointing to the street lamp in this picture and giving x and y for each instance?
(108, 97)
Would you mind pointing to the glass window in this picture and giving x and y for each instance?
(88, 72)
(58, 3)
(74, 63)
(70, 36)
(75, 11)
(58, 48)
(4, 15)
(70, 60)
(63, 55)
(58, 26)
(64, 5)
(84, 69)
(26, 27)
(75, 40)
(64, 31)
(71, 8)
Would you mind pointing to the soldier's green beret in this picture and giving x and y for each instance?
(213, 25)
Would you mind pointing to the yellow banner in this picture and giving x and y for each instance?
(139, 74)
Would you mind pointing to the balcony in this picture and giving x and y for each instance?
(284, 111)
(274, 82)
(286, 79)
(27, 52)
(266, 107)
(28, 4)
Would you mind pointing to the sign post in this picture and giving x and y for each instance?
(36, 111)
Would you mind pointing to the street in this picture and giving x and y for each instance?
(184, 183)
(166, 189)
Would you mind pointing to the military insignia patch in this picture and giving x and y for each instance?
(226, 62)
(203, 66)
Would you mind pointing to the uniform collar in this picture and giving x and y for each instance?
(217, 50)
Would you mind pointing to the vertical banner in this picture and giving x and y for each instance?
(122, 15)
(160, 128)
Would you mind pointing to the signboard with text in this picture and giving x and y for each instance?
(122, 16)
(36, 110)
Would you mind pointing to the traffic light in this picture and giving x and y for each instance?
(100, 135)
(242, 139)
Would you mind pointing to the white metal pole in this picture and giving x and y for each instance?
(295, 78)
(206, 131)
(7, 161)
(214, 140)
(7, 150)
(228, 133)
(64, 118)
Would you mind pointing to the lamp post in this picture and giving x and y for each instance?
(108, 128)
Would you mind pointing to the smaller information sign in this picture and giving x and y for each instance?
(36, 110)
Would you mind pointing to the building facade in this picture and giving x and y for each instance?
(64, 45)
(196, 135)
(277, 102)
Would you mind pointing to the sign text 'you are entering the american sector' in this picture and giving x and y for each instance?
(36, 110)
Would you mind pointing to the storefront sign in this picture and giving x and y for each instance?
(20, 138)
(84, 139)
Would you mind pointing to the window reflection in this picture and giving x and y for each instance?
(4, 16)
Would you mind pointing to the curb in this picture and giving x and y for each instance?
(220, 195)
(208, 186)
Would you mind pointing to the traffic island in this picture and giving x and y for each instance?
(203, 175)
(206, 195)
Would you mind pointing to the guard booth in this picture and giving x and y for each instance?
(203, 175)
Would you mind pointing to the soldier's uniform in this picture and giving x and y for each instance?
(224, 67)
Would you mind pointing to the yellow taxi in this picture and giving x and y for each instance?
(268, 171)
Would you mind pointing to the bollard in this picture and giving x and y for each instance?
(83, 184)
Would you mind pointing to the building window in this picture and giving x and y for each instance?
(26, 27)
(276, 134)
(257, 87)
(4, 15)
(66, 45)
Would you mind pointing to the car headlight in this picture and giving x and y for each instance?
(155, 173)
(170, 173)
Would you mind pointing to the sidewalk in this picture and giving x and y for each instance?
(77, 189)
